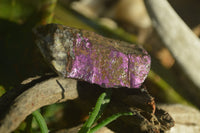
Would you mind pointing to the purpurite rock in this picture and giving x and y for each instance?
(87, 56)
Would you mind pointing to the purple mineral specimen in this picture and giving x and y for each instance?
(84, 55)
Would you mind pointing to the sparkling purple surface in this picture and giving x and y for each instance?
(90, 57)
(118, 69)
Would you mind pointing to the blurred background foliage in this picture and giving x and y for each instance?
(21, 59)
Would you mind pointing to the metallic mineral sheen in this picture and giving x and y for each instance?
(87, 56)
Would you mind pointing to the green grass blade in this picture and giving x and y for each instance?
(28, 128)
(94, 114)
(104, 103)
(41, 122)
(108, 120)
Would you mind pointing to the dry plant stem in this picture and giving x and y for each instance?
(177, 36)
(187, 118)
(57, 89)
(50, 91)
